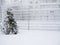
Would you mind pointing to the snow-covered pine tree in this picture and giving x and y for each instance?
(10, 23)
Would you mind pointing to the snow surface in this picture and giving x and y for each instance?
(32, 37)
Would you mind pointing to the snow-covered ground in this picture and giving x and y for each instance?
(33, 36)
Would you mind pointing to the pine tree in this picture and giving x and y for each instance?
(10, 23)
